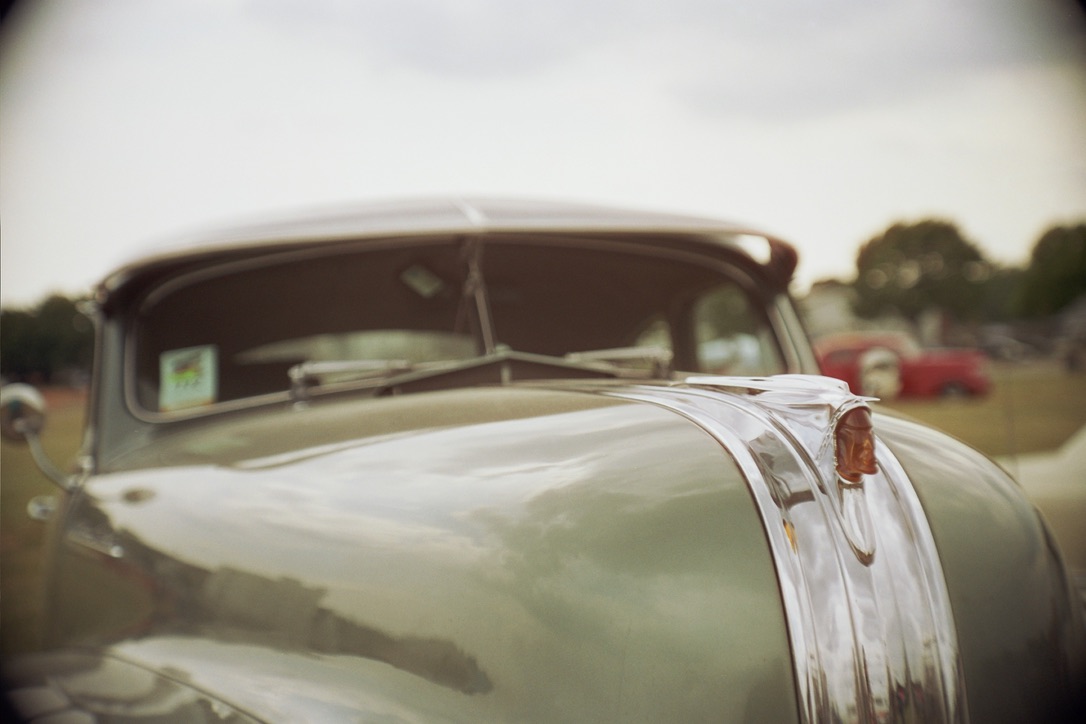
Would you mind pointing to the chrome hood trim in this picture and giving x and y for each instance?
(873, 635)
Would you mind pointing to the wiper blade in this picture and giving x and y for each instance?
(506, 365)
(503, 366)
(306, 374)
(657, 359)
(498, 368)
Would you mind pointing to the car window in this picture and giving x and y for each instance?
(730, 337)
(235, 331)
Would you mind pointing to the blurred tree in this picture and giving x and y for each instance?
(16, 343)
(1000, 294)
(910, 268)
(1056, 275)
(39, 343)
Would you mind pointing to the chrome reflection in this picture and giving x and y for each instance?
(861, 582)
(73, 686)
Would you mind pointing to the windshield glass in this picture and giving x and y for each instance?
(235, 331)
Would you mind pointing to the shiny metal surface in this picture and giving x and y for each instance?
(22, 416)
(75, 687)
(22, 411)
(869, 615)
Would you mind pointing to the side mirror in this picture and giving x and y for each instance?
(22, 412)
(22, 416)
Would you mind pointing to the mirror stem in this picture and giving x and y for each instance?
(41, 459)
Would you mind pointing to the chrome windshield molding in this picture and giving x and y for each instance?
(873, 638)
(797, 352)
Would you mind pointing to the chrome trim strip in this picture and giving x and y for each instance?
(873, 638)
(798, 354)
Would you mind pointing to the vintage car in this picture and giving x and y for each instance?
(892, 364)
(495, 460)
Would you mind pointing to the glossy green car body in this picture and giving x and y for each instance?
(584, 514)
(548, 576)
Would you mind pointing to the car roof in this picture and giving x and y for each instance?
(476, 216)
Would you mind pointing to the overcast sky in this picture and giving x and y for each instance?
(123, 122)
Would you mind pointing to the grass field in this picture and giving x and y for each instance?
(1033, 408)
(20, 537)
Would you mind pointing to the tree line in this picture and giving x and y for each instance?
(910, 269)
(46, 343)
(907, 270)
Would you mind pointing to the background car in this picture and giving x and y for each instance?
(892, 364)
(478, 460)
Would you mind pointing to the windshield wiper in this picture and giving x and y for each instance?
(500, 367)
(505, 365)
(306, 374)
(657, 359)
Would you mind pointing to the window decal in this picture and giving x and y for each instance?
(188, 377)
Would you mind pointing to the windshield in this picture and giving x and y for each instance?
(235, 331)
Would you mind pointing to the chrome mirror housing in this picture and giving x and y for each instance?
(22, 417)
(22, 412)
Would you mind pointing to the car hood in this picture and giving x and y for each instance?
(507, 553)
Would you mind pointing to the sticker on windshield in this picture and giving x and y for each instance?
(189, 377)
